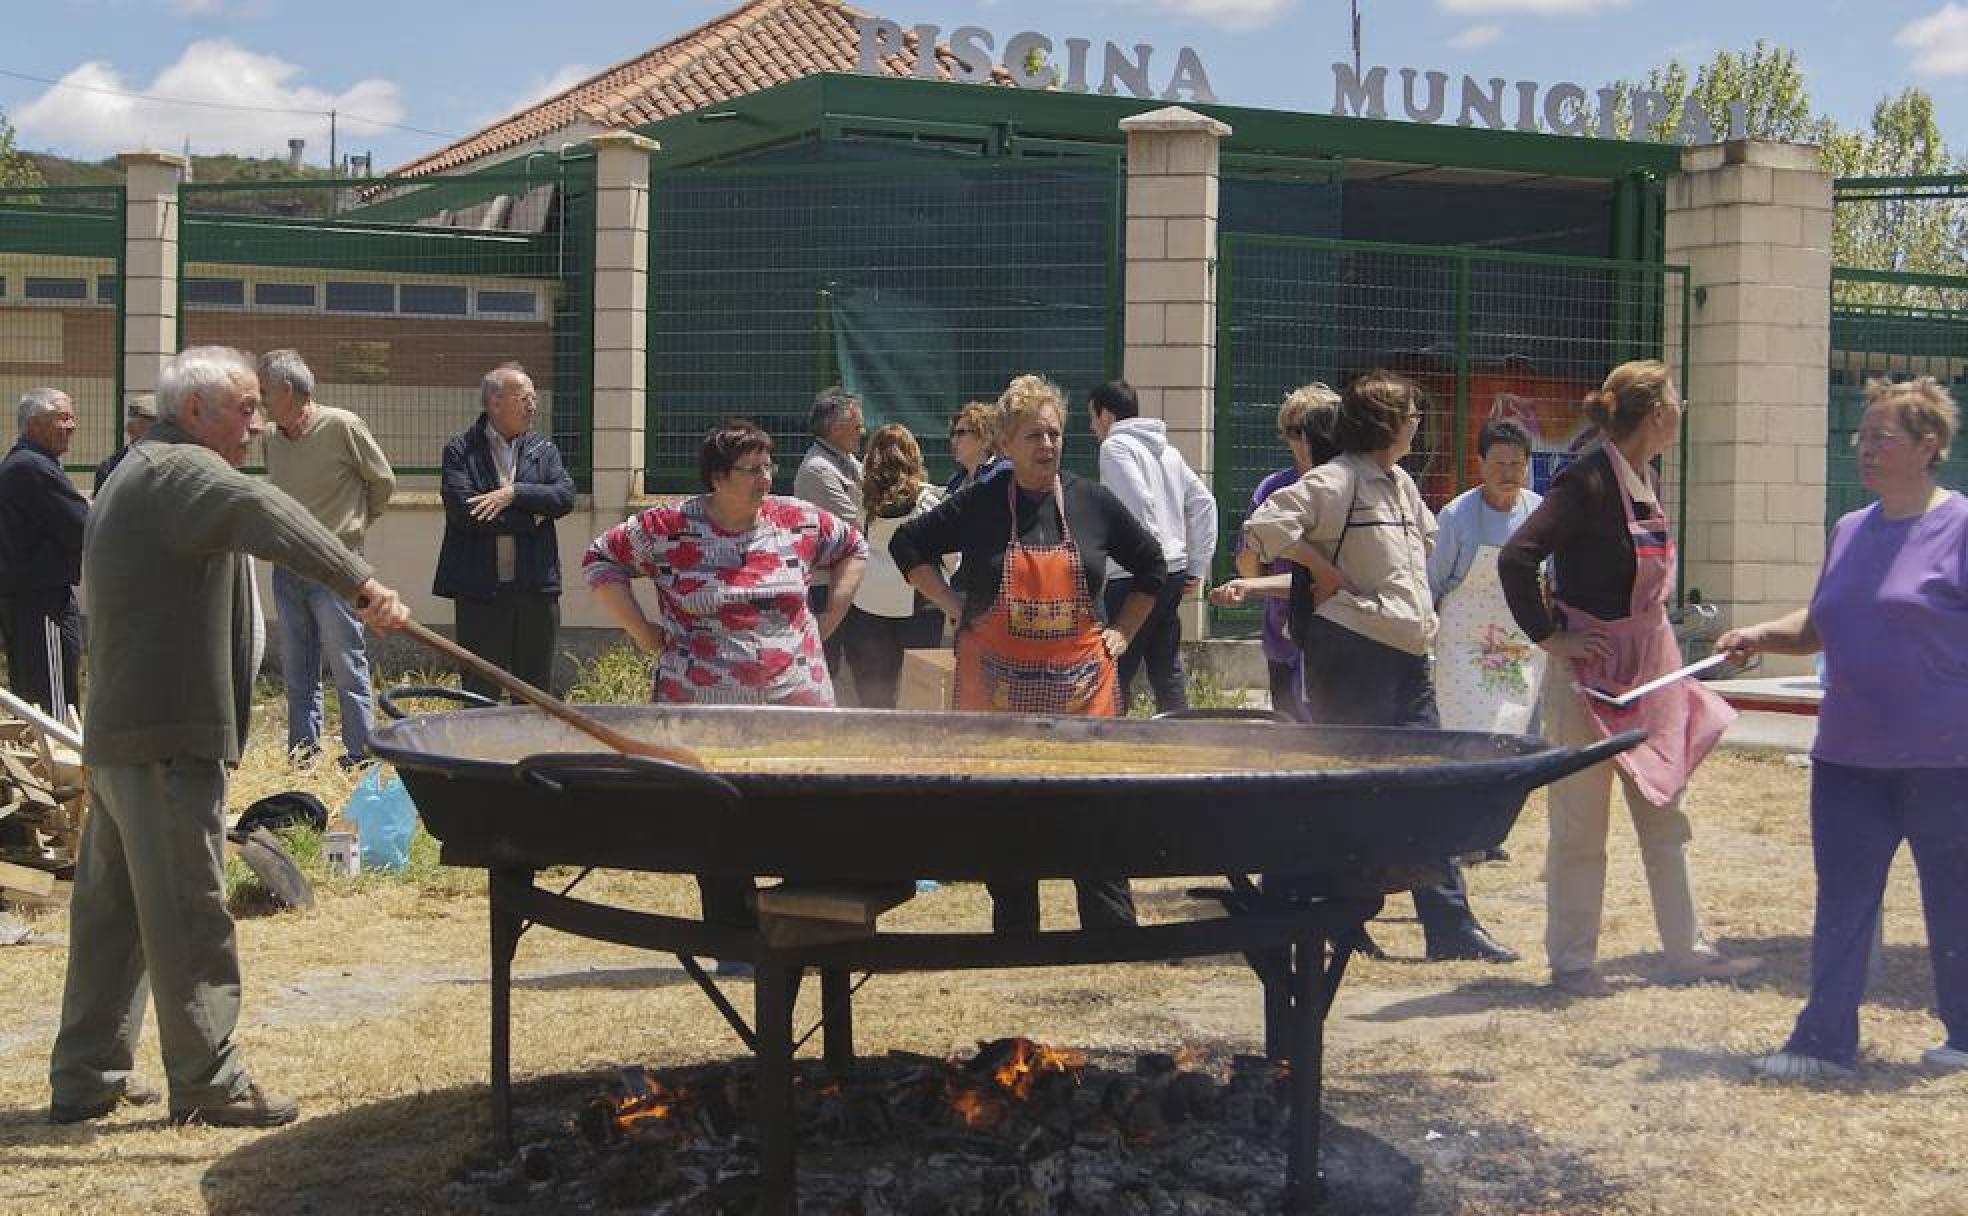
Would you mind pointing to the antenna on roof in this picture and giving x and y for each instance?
(1356, 39)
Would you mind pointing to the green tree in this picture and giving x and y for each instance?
(1765, 79)
(15, 169)
(1895, 232)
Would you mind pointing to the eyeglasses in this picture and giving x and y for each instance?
(755, 470)
(1881, 438)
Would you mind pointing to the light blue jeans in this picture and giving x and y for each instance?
(315, 621)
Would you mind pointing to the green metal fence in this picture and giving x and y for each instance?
(402, 294)
(1486, 334)
(61, 306)
(1889, 325)
(919, 284)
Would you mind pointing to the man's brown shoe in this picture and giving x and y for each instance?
(131, 1092)
(254, 1108)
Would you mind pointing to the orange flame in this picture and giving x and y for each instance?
(655, 1107)
(1031, 1060)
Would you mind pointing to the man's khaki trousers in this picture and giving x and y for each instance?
(149, 904)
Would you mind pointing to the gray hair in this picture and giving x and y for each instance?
(290, 369)
(828, 406)
(495, 381)
(204, 372)
(34, 403)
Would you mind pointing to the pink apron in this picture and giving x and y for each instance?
(1683, 721)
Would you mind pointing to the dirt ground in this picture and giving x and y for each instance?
(371, 1010)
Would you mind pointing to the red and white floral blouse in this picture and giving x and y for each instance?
(733, 603)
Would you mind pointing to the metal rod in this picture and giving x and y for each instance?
(719, 1001)
(773, 1015)
(505, 940)
(1303, 1186)
(837, 1015)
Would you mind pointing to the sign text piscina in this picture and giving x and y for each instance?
(1027, 59)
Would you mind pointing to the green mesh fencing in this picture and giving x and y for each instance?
(1889, 326)
(61, 307)
(402, 294)
(919, 285)
(1485, 334)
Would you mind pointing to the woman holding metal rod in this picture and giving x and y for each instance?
(1605, 627)
(1890, 762)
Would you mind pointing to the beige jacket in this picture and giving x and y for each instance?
(1385, 553)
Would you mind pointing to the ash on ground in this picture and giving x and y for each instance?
(1017, 1130)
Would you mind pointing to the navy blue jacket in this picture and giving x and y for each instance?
(41, 518)
(468, 563)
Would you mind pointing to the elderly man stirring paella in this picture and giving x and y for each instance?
(1035, 542)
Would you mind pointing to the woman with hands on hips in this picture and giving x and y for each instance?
(731, 567)
(1030, 639)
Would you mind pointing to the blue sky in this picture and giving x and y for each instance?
(449, 69)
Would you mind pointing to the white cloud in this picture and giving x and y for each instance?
(542, 87)
(80, 122)
(1542, 8)
(1476, 36)
(1939, 41)
(222, 8)
(1228, 14)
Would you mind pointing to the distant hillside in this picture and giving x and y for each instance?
(61, 171)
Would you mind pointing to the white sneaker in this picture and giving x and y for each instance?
(1950, 1059)
(1794, 1066)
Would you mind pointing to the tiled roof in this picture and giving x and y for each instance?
(763, 43)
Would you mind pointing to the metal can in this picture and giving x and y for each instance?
(341, 854)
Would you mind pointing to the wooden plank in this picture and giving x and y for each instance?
(841, 903)
(36, 883)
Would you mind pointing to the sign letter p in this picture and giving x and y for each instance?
(879, 36)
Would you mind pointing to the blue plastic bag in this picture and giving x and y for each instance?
(385, 819)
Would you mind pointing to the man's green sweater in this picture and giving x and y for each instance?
(166, 597)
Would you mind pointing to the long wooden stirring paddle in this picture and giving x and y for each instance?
(628, 745)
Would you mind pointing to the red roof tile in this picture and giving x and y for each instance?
(766, 42)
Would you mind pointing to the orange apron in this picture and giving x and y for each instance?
(1038, 650)
(1683, 721)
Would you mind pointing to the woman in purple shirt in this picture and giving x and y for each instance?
(1891, 759)
(1305, 423)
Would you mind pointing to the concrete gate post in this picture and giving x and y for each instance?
(621, 299)
(1752, 221)
(150, 268)
(1170, 359)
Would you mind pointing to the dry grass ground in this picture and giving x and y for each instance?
(372, 1011)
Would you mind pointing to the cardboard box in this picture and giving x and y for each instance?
(929, 680)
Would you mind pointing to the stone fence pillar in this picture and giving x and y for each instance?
(1752, 221)
(150, 268)
(1170, 359)
(621, 301)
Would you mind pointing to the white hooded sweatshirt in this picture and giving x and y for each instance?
(1151, 479)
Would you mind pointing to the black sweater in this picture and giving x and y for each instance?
(41, 520)
(976, 522)
(1581, 527)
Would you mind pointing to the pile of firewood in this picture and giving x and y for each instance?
(44, 798)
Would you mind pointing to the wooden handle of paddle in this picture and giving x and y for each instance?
(547, 703)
